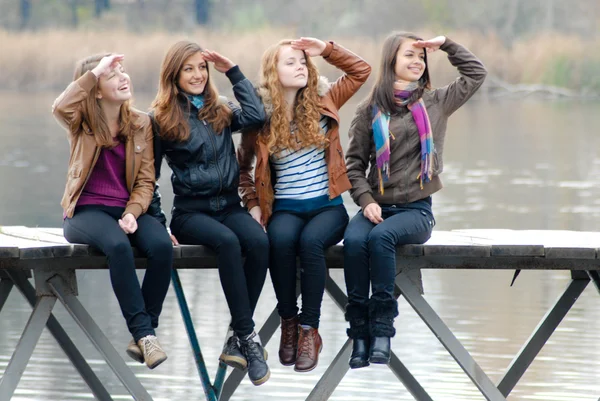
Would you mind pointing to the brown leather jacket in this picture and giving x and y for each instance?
(258, 191)
(139, 162)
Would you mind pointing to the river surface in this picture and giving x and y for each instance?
(520, 164)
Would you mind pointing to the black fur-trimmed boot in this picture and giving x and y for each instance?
(358, 317)
(381, 326)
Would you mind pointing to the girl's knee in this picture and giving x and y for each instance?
(118, 248)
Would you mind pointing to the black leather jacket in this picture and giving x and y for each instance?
(205, 171)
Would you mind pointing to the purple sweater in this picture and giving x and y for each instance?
(107, 185)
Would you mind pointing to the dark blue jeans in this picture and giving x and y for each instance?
(98, 226)
(308, 235)
(231, 233)
(370, 249)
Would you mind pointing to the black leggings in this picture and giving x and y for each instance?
(98, 226)
(230, 233)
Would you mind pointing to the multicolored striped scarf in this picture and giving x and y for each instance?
(381, 133)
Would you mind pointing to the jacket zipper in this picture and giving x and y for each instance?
(212, 141)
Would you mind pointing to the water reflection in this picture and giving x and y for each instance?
(521, 165)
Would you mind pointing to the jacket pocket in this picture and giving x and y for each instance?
(340, 164)
(74, 178)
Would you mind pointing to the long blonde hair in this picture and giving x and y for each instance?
(277, 134)
(92, 113)
(167, 105)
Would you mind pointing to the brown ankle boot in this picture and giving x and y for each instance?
(288, 345)
(310, 345)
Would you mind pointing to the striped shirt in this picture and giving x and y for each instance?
(302, 180)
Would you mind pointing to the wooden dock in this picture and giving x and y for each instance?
(43, 253)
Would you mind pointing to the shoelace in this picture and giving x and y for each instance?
(251, 349)
(306, 342)
(150, 344)
(288, 338)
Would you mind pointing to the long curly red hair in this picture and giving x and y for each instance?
(277, 133)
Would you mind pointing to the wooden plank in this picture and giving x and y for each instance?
(517, 250)
(457, 250)
(33, 234)
(570, 253)
(9, 252)
(410, 250)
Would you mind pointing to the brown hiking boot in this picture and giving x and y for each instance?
(310, 345)
(152, 351)
(288, 345)
(134, 352)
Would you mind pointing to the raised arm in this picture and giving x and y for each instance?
(251, 112)
(356, 70)
(472, 74)
(67, 107)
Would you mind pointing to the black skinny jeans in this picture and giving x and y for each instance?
(98, 226)
(307, 234)
(370, 249)
(230, 233)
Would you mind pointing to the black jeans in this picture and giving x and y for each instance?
(370, 249)
(230, 233)
(98, 226)
(308, 235)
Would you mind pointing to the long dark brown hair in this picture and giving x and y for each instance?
(382, 93)
(167, 105)
(92, 113)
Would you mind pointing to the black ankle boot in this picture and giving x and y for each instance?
(381, 327)
(360, 353)
(358, 317)
(379, 350)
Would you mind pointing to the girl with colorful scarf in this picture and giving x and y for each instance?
(397, 135)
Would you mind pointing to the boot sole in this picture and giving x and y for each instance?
(311, 368)
(263, 379)
(135, 356)
(156, 363)
(379, 360)
(358, 366)
(234, 362)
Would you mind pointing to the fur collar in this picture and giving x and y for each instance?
(322, 89)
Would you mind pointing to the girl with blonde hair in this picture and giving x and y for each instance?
(299, 178)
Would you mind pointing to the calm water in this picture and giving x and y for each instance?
(527, 164)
